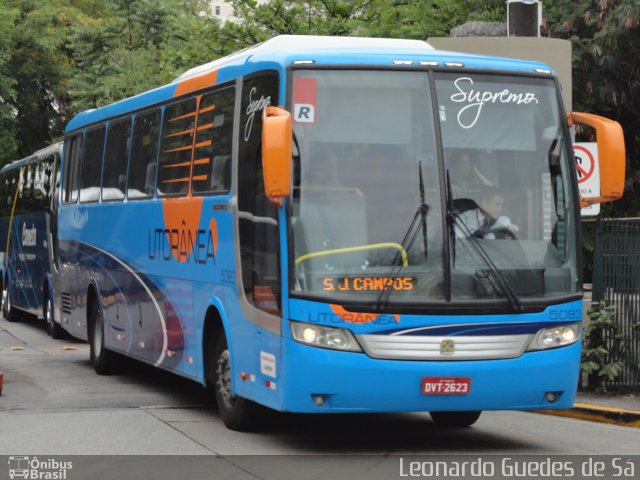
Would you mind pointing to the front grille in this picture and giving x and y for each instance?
(426, 347)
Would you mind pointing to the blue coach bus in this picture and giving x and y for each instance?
(28, 223)
(293, 226)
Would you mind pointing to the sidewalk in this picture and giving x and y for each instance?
(605, 408)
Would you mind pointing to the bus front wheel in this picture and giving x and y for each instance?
(455, 419)
(103, 360)
(237, 413)
(8, 310)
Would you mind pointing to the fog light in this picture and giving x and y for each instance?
(318, 400)
(551, 397)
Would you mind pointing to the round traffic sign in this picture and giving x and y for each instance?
(585, 163)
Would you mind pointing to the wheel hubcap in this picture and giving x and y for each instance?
(97, 336)
(223, 379)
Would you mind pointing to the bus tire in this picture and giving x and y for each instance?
(8, 310)
(237, 413)
(103, 360)
(455, 419)
(54, 329)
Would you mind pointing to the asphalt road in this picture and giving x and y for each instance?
(53, 403)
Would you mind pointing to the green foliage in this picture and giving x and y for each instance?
(416, 19)
(603, 345)
(8, 123)
(136, 45)
(606, 73)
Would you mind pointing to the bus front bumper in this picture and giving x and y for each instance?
(317, 380)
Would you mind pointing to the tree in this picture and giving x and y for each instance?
(38, 66)
(606, 73)
(8, 124)
(136, 45)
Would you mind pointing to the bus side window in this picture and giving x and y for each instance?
(212, 158)
(92, 165)
(30, 201)
(41, 187)
(176, 148)
(116, 157)
(258, 224)
(71, 167)
(141, 178)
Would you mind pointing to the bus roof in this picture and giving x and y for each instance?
(43, 152)
(282, 51)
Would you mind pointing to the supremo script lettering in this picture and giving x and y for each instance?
(254, 107)
(29, 235)
(182, 245)
(476, 99)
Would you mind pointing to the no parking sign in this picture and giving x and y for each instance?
(586, 158)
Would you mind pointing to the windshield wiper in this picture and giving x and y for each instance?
(419, 220)
(453, 220)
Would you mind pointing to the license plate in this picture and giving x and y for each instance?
(446, 385)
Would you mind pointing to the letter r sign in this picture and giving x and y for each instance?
(305, 99)
(304, 113)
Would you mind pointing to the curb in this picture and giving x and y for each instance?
(597, 413)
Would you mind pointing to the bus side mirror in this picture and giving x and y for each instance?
(277, 137)
(611, 156)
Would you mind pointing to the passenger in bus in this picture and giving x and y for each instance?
(486, 220)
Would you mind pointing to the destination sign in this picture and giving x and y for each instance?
(368, 284)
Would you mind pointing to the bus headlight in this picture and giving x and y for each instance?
(324, 337)
(555, 337)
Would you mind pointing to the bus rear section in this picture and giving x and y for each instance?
(401, 234)
(28, 234)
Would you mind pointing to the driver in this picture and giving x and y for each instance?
(487, 219)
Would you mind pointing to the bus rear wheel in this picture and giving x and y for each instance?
(455, 419)
(237, 413)
(103, 360)
(53, 328)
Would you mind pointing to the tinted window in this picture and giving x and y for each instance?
(115, 160)
(259, 240)
(41, 187)
(176, 148)
(144, 153)
(91, 165)
(27, 194)
(212, 156)
(8, 191)
(72, 149)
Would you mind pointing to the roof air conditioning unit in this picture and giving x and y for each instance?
(524, 18)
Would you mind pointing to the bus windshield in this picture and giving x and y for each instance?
(419, 188)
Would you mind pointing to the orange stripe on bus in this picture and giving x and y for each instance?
(201, 161)
(178, 133)
(206, 143)
(176, 180)
(206, 127)
(199, 178)
(173, 165)
(182, 117)
(179, 149)
(207, 109)
(196, 82)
